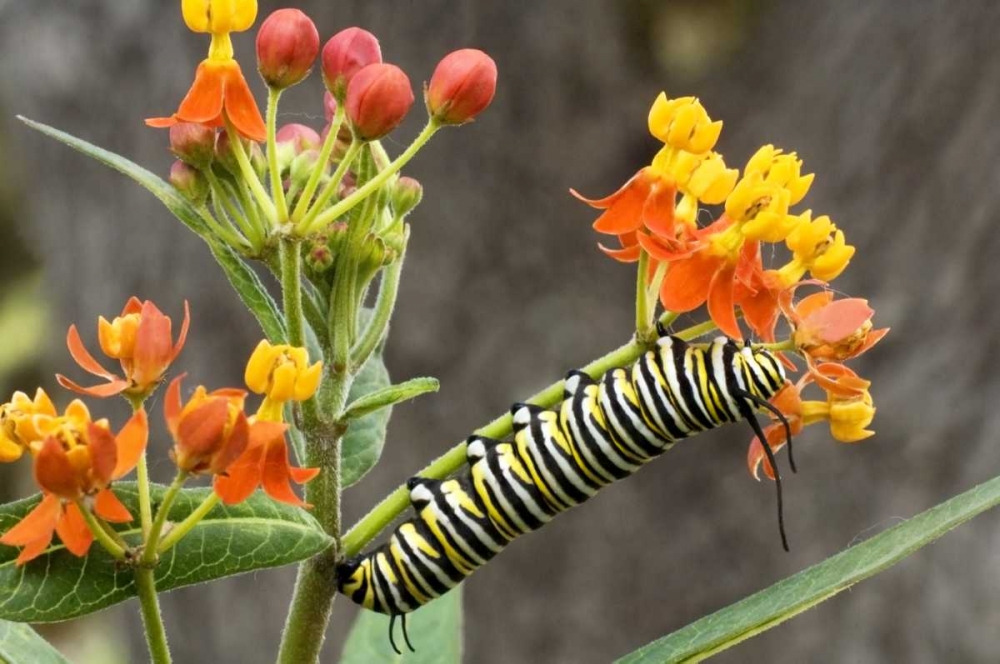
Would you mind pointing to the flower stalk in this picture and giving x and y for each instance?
(277, 187)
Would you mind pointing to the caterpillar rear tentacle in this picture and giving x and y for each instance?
(603, 430)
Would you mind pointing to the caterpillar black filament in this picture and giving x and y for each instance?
(603, 430)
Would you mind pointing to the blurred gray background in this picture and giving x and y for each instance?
(894, 105)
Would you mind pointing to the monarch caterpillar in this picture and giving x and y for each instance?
(602, 431)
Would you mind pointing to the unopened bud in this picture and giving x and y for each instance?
(303, 166)
(346, 53)
(406, 195)
(193, 143)
(225, 156)
(287, 45)
(378, 99)
(329, 106)
(319, 258)
(300, 136)
(462, 86)
(189, 181)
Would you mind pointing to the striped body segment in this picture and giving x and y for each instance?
(602, 431)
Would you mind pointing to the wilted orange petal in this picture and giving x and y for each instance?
(276, 475)
(241, 478)
(103, 453)
(82, 356)
(839, 319)
(131, 443)
(813, 303)
(686, 285)
(54, 472)
(720, 302)
(775, 434)
(172, 404)
(109, 389)
(241, 108)
(109, 508)
(873, 338)
(37, 524)
(183, 335)
(73, 531)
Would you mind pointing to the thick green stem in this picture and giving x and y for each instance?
(324, 158)
(277, 187)
(644, 330)
(181, 529)
(370, 187)
(156, 635)
(392, 505)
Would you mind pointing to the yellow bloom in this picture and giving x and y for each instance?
(761, 208)
(817, 245)
(848, 415)
(21, 422)
(683, 124)
(702, 176)
(781, 170)
(219, 16)
(282, 373)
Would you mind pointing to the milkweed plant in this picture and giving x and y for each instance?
(325, 211)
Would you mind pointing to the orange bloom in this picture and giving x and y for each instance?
(140, 338)
(828, 329)
(210, 431)
(76, 459)
(219, 90)
(264, 463)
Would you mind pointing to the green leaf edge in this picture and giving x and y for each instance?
(19, 644)
(307, 525)
(243, 279)
(390, 396)
(772, 606)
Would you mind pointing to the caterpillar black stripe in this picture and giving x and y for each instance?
(603, 430)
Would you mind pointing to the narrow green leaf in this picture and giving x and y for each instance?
(243, 279)
(19, 644)
(251, 291)
(256, 534)
(435, 631)
(786, 599)
(390, 396)
(177, 204)
(365, 437)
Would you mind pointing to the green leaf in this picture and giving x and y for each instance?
(390, 396)
(365, 437)
(175, 202)
(243, 279)
(435, 631)
(767, 608)
(251, 291)
(19, 644)
(256, 534)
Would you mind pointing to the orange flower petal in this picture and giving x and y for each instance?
(813, 303)
(241, 107)
(131, 443)
(234, 446)
(838, 319)
(686, 285)
(73, 531)
(183, 335)
(33, 549)
(103, 453)
(276, 475)
(661, 250)
(108, 507)
(201, 430)
(83, 357)
(37, 524)
(109, 389)
(624, 255)
(658, 210)
(172, 404)
(302, 475)
(153, 345)
(241, 478)
(608, 201)
(203, 102)
(54, 472)
(775, 435)
(720, 302)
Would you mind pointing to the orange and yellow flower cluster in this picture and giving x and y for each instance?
(77, 459)
(655, 216)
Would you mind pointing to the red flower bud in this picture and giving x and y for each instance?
(287, 45)
(300, 136)
(378, 98)
(189, 181)
(462, 86)
(344, 55)
(193, 143)
(406, 195)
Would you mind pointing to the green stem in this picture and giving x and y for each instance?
(249, 175)
(384, 305)
(226, 234)
(788, 345)
(181, 529)
(103, 538)
(221, 195)
(277, 187)
(252, 214)
(644, 330)
(324, 158)
(370, 187)
(145, 504)
(307, 225)
(393, 505)
(149, 552)
(156, 635)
